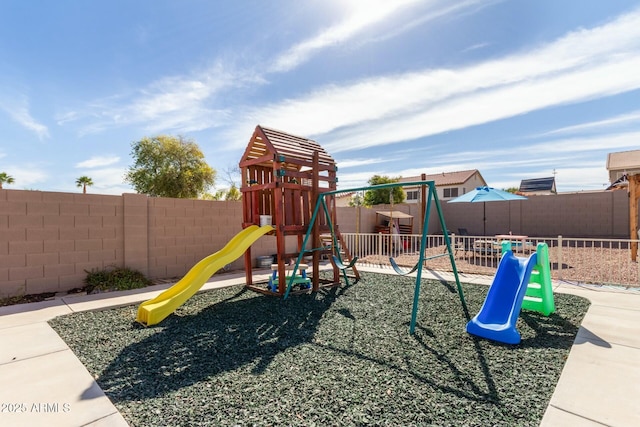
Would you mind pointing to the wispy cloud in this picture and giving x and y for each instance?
(535, 160)
(550, 154)
(98, 161)
(357, 179)
(17, 108)
(343, 164)
(181, 101)
(26, 175)
(384, 110)
(475, 47)
(109, 180)
(362, 14)
(392, 108)
(609, 142)
(586, 176)
(632, 118)
(433, 10)
(497, 103)
(178, 103)
(188, 103)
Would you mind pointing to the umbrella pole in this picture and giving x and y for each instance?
(484, 219)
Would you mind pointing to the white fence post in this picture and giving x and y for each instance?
(560, 257)
(579, 254)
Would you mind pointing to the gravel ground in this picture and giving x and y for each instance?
(338, 357)
(581, 265)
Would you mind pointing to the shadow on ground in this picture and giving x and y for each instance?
(330, 355)
(187, 348)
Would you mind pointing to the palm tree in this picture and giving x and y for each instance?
(4, 178)
(83, 181)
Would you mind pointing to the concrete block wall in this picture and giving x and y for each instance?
(588, 214)
(597, 215)
(181, 232)
(620, 221)
(49, 240)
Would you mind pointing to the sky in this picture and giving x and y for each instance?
(516, 89)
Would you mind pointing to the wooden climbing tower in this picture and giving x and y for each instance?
(282, 177)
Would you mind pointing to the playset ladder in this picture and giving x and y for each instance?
(539, 293)
(539, 296)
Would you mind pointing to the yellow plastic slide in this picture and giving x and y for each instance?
(153, 311)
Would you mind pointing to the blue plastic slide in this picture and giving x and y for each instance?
(500, 310)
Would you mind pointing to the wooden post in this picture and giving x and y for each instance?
(279, 199)
(634, 193)
(247, 209)
(315, 232)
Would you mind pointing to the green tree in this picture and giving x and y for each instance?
(356, 200)
(382, 195)
(223, 194)
(169, 166)
(233, 193)
(5, 179)
(513, 190)
(218, 195)
(83, 182)
(231, 175)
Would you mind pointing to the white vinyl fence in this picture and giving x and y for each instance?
(597, 261)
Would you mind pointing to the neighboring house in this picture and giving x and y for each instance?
(449, 185)
(343, 199)
(538, 186)
(622, 164)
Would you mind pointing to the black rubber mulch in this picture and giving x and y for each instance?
(338, 357)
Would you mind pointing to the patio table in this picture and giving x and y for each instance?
(514, 238)
(486, 247)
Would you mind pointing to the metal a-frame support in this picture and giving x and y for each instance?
(432, 195)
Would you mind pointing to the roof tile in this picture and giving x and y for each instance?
(445, 178)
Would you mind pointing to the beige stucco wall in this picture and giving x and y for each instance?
(49, 240)
(588, 214)
(474, 182)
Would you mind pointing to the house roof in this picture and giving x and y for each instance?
(345, 194)
(446, 178)
(623, 160)
(538, 185)
(270, 144)
(621, 182)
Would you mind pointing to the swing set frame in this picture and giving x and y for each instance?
(429, 196)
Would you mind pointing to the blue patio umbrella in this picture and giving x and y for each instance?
(486, 194)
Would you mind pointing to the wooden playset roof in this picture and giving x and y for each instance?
(268, 144)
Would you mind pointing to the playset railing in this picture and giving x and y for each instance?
(579, 260)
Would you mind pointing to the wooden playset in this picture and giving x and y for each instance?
(283, 176)
(289, 192)
(291, 181)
